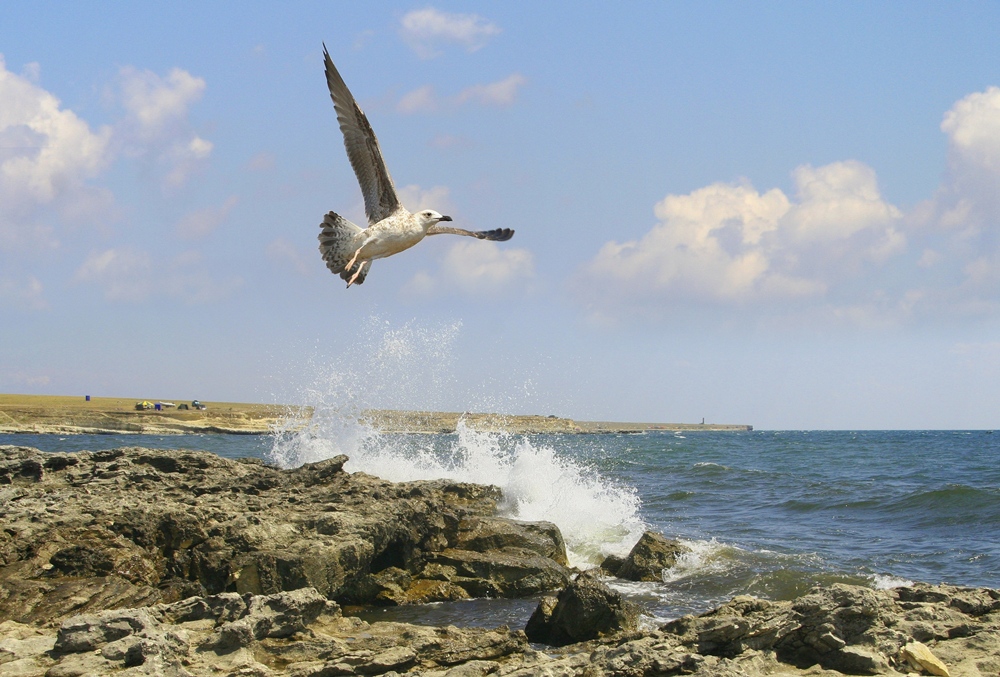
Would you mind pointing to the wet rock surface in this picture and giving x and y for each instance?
(135, 527)
(842, 630)
(139, 562)
(585, 609)
(648, 558)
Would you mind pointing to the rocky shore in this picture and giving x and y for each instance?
(146, 562)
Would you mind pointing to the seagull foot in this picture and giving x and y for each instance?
(356, 274)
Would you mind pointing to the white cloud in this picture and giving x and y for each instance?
(973, 129)
(420, 100)
(731, 244)
(426, 29)
(416, 198)
(499, 94)
(477, 267)
(157, 128)
(836, 201)
(49, 155)
(837, 245)
(202, 222)
(157, 102)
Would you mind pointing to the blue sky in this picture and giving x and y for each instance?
(780, 214)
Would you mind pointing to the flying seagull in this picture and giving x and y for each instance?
(349, 249)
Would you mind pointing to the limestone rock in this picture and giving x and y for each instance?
(177, 563)
(585, 609)
(82, 533)
(829, 633)
(920, 658)
(506, 573)
(485, 534)
(649, 557)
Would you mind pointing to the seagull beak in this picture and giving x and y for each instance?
(445, 218)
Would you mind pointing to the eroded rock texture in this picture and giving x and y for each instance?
(135, 527)
(139, 562)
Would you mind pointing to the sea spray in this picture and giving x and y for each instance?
(596, 517)
(407, 368)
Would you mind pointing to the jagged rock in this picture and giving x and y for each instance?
(649, 557)
(299, 633)
(485, 534)
(121, 547)
(921, 658)
(82, 534)
(539, 626)
(612, 564)
(585, 609)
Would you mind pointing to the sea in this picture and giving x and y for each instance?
(765, 513)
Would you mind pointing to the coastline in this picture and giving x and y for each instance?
(244, 569)
(50, 414)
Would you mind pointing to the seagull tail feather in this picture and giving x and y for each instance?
(338, 240)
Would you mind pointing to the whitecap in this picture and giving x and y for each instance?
(888, 582)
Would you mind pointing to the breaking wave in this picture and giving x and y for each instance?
(407, 368)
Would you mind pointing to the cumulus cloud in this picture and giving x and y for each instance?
(469, 266)
(731, 244)
(49, 155)
(156, 102)
(416, 198)
(425, 30)
(156, 127)
(477, 267)
(836, 243)
(420, 100)
(499, 94)
(202, 222)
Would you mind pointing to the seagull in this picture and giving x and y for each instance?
(349, 249)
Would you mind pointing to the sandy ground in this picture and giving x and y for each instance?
(75, 414)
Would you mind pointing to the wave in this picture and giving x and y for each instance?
(945, 507)
(597, 516)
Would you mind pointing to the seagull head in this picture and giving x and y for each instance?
(429, 217)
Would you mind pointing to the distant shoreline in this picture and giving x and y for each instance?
(53, 414)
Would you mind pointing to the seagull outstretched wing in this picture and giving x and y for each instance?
(497, 234)
(362, 148)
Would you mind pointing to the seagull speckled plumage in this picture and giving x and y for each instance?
(349, 249)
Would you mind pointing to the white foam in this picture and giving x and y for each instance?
(702, 558)
(597, 517)
(887, 582)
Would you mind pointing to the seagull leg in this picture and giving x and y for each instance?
(353, 259)
(354, 277)
(350, 265)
